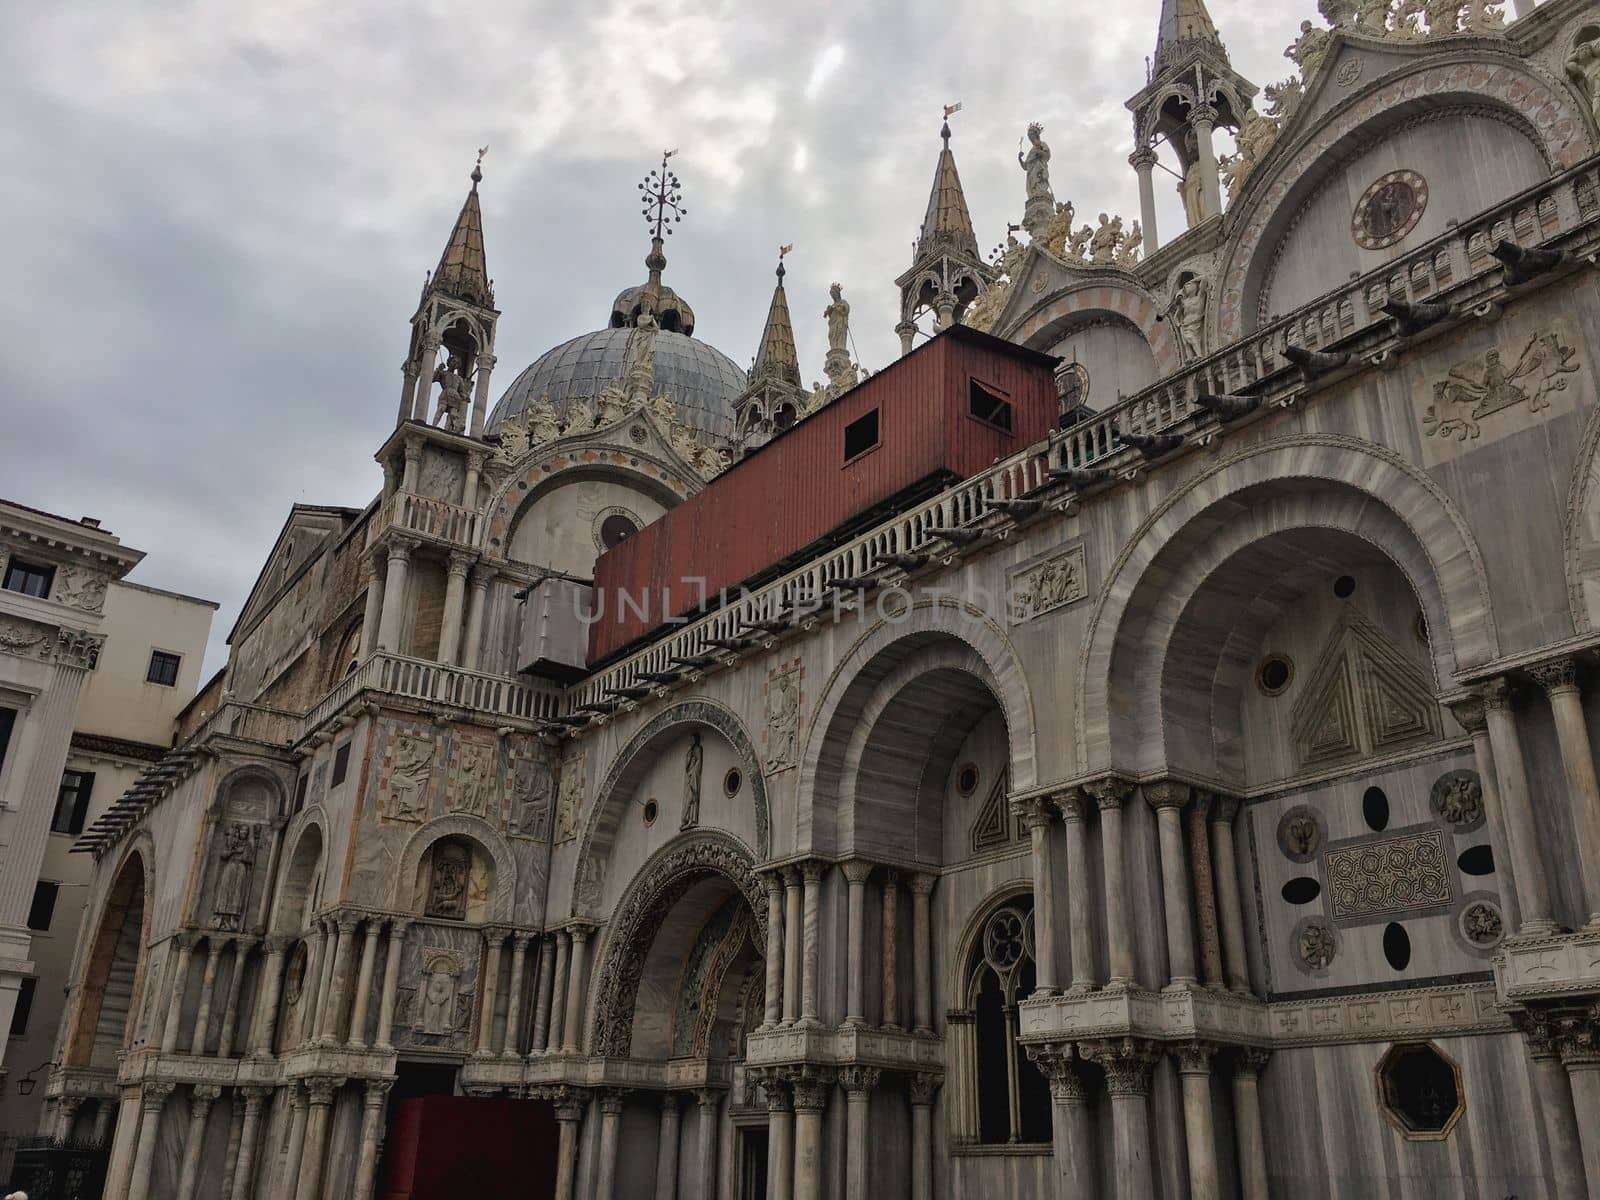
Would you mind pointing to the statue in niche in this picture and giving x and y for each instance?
(436, 994)
(1583, 64)
(1301, 835)
(641, 369)
(693, 761)
(233, 881)
(837, 315)
(1192, 186)
(1188, 310)
(474, 777)
(1317, 945)
(454, 397)
(1035, 163)
(447, 881)
(410, 770)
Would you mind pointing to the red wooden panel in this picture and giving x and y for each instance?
(446, 1147)
(798, 488)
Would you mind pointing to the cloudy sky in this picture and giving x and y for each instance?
(218, 215)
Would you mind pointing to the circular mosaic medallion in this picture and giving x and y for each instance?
(1389, 209)
(1072, 382)
(614, 525)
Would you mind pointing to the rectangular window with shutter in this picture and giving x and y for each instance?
(72, 802)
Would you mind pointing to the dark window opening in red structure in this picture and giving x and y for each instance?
(861, 435)
(988, 405)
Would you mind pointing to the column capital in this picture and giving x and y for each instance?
(1580, 1040)
(1109, 792)
(1250, 1060)
(1203, 114)
(1166, 793)
(859, 1080)
(153, 1096)
(891, 878)
(707, 1098)
(1194, 1058)
(856, 870)
(1142, 159)
(921, 882)
(810, 1086)
(611, 1101)
(1225, 808)
(1496, 694)
(460, 562)
(1032, 811)
(1470, 715)
(278, 944)
(377, 1092)
(1127, 1063)
(921, 1086)
(1058, 1062)
(482, 575)
(402, 548)
(203, 1096)
(398, 926)
(776, 1090)
(494, 936)
(320, 1090)
(1072, 803)
(812, 870)
(1204, 801)
(255, 1095)
(1557, 675)
(773, 881)
(791, 876)
(1543, 1038)
(347, 922)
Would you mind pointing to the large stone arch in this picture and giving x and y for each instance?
(660, 883)
(1342, 483)
(634, 759)
(1470, 77)
(1040, 327)
(982, 650)
(105, 973)
(502, 904)
(294, 879)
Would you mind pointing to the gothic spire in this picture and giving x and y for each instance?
(462, 271)
(1183, 24)
(947, 224)
(776, 358)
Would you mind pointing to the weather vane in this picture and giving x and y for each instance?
(663, 197)
(950, 110)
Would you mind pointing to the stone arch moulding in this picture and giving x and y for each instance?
(1583, 562)
(652, 475)
(600, 831)
(313, 817)
(474, 829)
(1449, 558)
(1107, 297)
(948, 616)
(982, 909)
(660, 884)
(251, 770)
(1560, 126)
(78, 1045)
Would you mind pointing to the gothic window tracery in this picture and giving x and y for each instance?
(1013, 1098)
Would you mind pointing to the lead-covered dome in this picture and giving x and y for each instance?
(702, 381)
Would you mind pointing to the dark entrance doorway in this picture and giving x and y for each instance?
(753, 1164)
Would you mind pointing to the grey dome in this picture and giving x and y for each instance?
(703, 381)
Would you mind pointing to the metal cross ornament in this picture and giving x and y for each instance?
(663, 197)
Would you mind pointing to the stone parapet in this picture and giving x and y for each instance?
(1554, 967)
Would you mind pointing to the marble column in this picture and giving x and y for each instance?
(152, 1100)
(772, 1006)
(480, 579)
(1073, 806)
(372, 612)
(708, 1101)
(408, 390)
(322, 981)
(231, 1154)
(811, 873)
(792, 940)
(426, 361)
(856, 873)
(339, 988)
(1143, 161)
(921, 885)
(231, 1006)
(667, 1149)
(1168, 798)
(289, 1164)
(541, 1013)
(558, 1003)
(1247, 1129)
(1035, 814)
(369, 962)
(962, 1033)
(319, 1097)
(610, 1128)
(201, 1098)
(1199, 1127)
(119, 1170)
(569, 1111)
(519, 962)
(1108, 795)
(1533, 892)
(780, 1139)
(1560, 682)
(1236, 966)
(1127, 1063)
(179, 983)
(907, 331)
(392, 620)
(575, 980)
(1198, 816)
(1560, 1120)
(455, 591)
(1473, 717)
(480, 401)
(249, 1139)
(65, 1115)
(494, 941)
(1071, 1169)
(920, 1089)
(858, 1083)
(104, 1111)
(1205, 120)
(391, 984)
(208, 988)
(1580, 1055)
(810, 1099)
(373, 1103)
(890, 950)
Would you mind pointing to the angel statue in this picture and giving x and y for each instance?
(1188, 309)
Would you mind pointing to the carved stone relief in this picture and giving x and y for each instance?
(1475, 390)
(240, 843)
(25, 640)
(78, 648)
(408, 782)
(570, 796)
(434, 1003)
(532, 784)
(448, 876)
(470, 786)
(81, 588)
(1046, 586)
(1482, 924)
(1300, 834)
(783, 716)
(1315, 944)
(1457, 797)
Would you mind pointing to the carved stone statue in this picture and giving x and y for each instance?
(447, 885)
(1443, 16)
(783, 720)
(838, 317)
(1128, 254)
(693, 762)
(1309, 49)
(436, 995)
(1337, 12)
(514, 440)
(1254, 139)
(1583, 64)
(1192, 187)
(1035, 163)
(1011, 257)
(1284, 97)
(1374, 17)
(454, 397)
(1188, 309)
(544, 423)
(410, 770)
(473, 780)
(233, 881)
(640, 377)
(1078, 244)
(1103, 245)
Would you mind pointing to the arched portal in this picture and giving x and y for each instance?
(679, 955)
(114, 971)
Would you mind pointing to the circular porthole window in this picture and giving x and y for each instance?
(1344, 587)
(650, 811)
(732, 782)
(967, 779)
(1274, 674)
(613, 527)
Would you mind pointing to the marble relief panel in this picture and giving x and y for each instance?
(434, 1004)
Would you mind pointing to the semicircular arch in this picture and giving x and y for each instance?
(502, 903)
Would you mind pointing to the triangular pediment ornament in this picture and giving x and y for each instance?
(994, 825)
(1366, 697)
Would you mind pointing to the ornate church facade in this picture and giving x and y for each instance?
(1178, 782)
